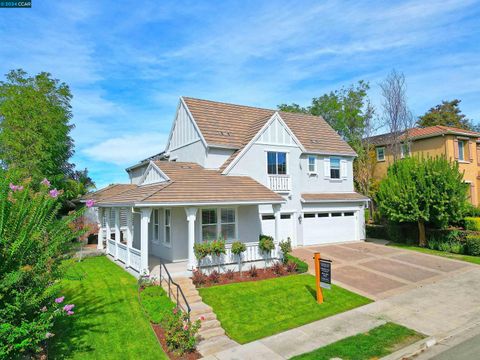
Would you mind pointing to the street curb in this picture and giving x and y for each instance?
(412, 350)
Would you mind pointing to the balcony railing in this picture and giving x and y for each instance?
(280, 183)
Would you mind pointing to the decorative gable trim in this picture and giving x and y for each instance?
(153, 174)
(275, 117)
(183, 105)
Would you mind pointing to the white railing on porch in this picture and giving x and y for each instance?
(135, 256)
(252, 253)
(280, 182)
(111, 247)
(122, 252)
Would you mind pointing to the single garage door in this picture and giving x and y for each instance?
(286, 226)
(329, 227)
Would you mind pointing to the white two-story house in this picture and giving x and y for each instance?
(233, 172)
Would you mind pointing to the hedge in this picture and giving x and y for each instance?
(302, 266)
(473, 244)
(472, 223)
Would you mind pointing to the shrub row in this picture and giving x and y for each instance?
(302, 266)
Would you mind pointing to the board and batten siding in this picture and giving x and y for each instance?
(184, 131)
(276, 134)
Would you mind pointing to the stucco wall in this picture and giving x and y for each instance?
(195, 152)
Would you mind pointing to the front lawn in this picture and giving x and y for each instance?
(109, 322)
(376, 343)
(252, 310)
(466, 258)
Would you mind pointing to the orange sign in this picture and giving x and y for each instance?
(317, 277)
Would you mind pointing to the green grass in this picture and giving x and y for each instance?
(376, 343)
(467, 258)
(156, 303)
(109, 322)
(252, 310)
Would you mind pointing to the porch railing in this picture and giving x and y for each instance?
(174, 290)
(280, 183)
(122, 252)
(252, 253)
(135, 258)
(111, 247)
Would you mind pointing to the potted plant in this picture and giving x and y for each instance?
(266, 246)
(238, 248)
(201, 251)
(218, 249)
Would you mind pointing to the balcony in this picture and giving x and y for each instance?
(280, 183)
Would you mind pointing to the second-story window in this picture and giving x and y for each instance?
(461, 150)
(312, 164)
(334, 168)
(276, 163)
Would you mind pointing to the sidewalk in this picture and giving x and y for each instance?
(434, 310)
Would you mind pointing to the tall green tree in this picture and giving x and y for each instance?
(35, 125)
(423, 191)
(447, 113)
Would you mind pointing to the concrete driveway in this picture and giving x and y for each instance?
(378, 271)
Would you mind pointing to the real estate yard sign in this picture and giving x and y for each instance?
(323, 275)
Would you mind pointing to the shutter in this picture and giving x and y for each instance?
(455, 149)
(472, 192)
(470, 150)
(326, 167)
(478, 155)
(343, 169)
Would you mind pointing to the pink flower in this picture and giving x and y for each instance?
(201, 318)
(53, 193)
(90, 203)
(68, 307)
(175, 310)
(13, 187)
(185, 327)
(45, 182)
(60, 299)
(48, 335)
(70, 313)
(20, 188)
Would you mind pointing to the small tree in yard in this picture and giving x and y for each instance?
(201, 251)
(238, 248)
(428, 190)
(286, 247)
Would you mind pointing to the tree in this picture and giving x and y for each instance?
(396, 115)
(447, 113)
(35, 142)
(419, 190)
(294, 108)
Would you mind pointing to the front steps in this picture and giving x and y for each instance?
(211, 334)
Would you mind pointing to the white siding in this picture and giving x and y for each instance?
(137, 173)
(276, 134)
(153, 176)
(184, 131)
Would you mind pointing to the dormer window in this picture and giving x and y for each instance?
(276, 163)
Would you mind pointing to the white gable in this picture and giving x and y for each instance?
(184, 131)
(153, 175)
(276, 134)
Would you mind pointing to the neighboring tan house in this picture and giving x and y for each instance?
(456, 144)
(233, 172)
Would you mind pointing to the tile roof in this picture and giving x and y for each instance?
(234, 126)
(107, 192)
(311, 197)
(417, 132)
(191, 183)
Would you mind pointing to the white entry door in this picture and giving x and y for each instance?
(286, 226)
(329, 227)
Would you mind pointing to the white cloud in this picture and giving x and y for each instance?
(128, 149)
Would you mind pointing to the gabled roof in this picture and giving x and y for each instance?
(426, 132)
(233, 126)
(190, 183)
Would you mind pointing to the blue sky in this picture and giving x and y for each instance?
(127, 62)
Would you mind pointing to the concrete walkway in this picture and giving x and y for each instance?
(433, 309)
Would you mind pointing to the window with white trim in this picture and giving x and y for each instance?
(155, 226)
(167, 239)
(334, 168)
(276, 163)
(219, 223)
(380, 154)
(312, 164)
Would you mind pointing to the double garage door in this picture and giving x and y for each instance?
(329, 227)
(286, 226)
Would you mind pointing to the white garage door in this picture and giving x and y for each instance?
(329, 227)
(286, 226)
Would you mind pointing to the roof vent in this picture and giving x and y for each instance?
(315, 141)
(224, 133)
(185, 167)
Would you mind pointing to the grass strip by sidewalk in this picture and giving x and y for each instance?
(252, 310)
(467, 258)
(376, 343)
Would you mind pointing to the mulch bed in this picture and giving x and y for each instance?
(262, 274)
(160, 333)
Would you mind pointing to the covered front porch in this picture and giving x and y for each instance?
(142, 237)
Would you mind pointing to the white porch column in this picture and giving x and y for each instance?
(276, 212)
(117, 230)
(145, 220)
(108, 229)
(129, 234)
(191, 217)
(100, 229)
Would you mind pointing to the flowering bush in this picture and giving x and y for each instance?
(180, 333)
(33, 241)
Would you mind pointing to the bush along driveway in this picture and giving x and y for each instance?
(109, 322)
(253, 310)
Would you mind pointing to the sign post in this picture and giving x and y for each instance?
(323, 275)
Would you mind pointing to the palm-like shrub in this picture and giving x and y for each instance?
(33, 240)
